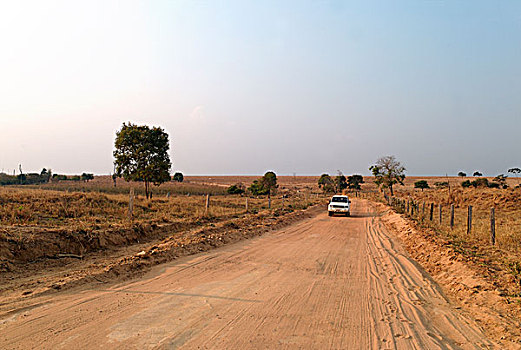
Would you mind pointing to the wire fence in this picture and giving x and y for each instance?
(499, 227)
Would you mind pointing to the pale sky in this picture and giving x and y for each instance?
(243, 87)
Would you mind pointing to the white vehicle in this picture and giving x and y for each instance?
(339, 205)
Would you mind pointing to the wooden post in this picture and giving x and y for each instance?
(246, 204)
(493, 226)
(207, 207)
(408, 204)
(440, 210)
(469, 220)
(131, 203)
(282, 202)
(452, 216)
(412, 208)
(432, 211)
(269, 202)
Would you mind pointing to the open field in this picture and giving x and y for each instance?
(78, 214)
(97, 207)
(335, 283)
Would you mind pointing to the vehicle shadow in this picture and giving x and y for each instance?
(356, 215)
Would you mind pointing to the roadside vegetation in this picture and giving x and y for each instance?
(501, 258)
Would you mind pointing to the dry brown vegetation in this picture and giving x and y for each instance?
(501, 262)
(42, 221)
(76, 218)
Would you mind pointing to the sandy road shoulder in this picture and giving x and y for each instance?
(464, 286)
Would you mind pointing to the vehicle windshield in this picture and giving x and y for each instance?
(339, 199)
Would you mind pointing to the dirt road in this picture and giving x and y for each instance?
(337, 283)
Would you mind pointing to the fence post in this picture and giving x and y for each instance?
(269, 202)
(432, 211)
(282, 202)
(207, 206)
(440, 210)
(412, 208)
(469, 220)
(452, 216)
(493, 225)
(246, 204)
(408, 204)
(131, 203)
(423, 211)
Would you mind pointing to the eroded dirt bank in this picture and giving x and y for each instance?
(485, 300)
(26, 280)
(325, 282)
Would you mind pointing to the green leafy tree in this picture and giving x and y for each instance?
(354, 182)
(45, 175)
(326, 183)
(340, 182)
(256, 188)
(477, 174)
(141, 154)
(179, 177)
(388, 172)
(58, 177)
(462, 174)
(265, 185)
(422, 184)
(87, 177)
(269, 182)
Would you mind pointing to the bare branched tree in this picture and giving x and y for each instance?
(388, 172)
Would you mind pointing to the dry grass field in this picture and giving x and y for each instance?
(507, 204)
(77, 217)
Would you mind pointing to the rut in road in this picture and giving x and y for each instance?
(336, 283)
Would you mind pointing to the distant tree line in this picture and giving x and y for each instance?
(500, 181)
(340, 182)
(497, 182)
(43, 177)
(266, 185)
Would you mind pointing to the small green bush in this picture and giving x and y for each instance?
(235, 189)
(481, 182)
(466, 184)
(179, 177)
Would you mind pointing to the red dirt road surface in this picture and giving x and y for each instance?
(324, 283)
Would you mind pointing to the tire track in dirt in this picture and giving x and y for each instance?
(323, 283)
